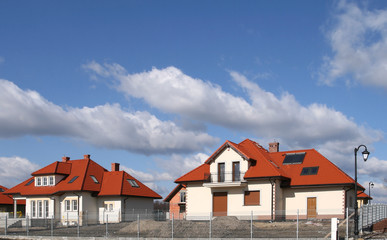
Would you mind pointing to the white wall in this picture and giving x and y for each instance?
(228, 156)
(198, 201)
(330, 201)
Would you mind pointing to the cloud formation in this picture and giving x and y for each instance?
(13, 174)
(260, 112)
(358, 40)
(28, 113)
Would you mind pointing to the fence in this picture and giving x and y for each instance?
(141, 224)
(370, 214)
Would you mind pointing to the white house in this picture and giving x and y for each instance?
(245, 178)
(82, 190)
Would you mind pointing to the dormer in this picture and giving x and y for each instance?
(52, 174)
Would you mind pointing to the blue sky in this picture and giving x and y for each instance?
(158, 86)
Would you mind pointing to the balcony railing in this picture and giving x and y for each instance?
(227, 177)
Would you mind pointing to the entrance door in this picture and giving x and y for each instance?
(219, 204)
(311, 211)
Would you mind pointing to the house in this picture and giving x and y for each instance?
(245, 179)
(7, 203)
(362, 198)
(82, 190)
(176, 200)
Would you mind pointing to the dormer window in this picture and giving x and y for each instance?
(51, 180)
(38, 181)
(45, 182)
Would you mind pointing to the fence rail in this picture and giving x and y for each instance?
(161, 225)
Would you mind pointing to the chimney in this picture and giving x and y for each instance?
(86, 157)
(65, 159)
(115, 167)
(274, 147)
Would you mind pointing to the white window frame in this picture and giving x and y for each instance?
(46, 208)
(74, 204)
(67, 205)
(45, 181)
(38, 181)
(33, 208)
(51, 180)
(40, 208)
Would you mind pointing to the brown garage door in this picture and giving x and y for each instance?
(312, 213)
(219, 204)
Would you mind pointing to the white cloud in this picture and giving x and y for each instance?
(262, 113)
(28, 113)
(12, 173)
(359, 43)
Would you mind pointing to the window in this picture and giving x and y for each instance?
(51, 180)
(38, 181)
(236, 175)
(29, 182)
(33, 208)
(45, 181)
(309, 171)
(46, 208)
(109, 206)
(294, 158)
(221, 172)
(67, 205)
(133, 183)
(40, 208)
(94, 179)
(182, 197)
(252, 198)
(182, 208)
(73, 179)
(75, 205)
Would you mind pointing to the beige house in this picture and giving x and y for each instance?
(245, 179)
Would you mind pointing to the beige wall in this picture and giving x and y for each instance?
(330, 201)
(228, 156)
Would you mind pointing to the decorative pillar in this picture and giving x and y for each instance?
(14, 208)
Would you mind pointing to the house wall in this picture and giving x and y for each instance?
(228, 156)
(89, 208)
(109, 214)
(330, 202)
(174, 206)
(198, 201)
(51, 204)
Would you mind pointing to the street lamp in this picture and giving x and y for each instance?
(365, 157)
(370, 185)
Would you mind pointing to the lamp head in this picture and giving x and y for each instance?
(372, 184)
(365, 154)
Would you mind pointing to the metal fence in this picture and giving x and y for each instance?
(163, 225)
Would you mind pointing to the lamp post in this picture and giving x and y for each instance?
(365, 157)
(370, 185)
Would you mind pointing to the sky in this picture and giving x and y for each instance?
(158, 86)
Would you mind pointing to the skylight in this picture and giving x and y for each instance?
(31, 181)
(132, 183)
(94, 179)
(294, 158)
(1, 190)
(309, 171)
(73, 179)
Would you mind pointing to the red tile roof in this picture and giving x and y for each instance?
(7, 199)
(363, 195)
(116, 184)
(265, 164)
(107, 183)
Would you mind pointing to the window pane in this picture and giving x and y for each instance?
(46, 208)
(221, 172)
(33, 208)
(75, 205)
(40, 209)
(51, 180)
(236, 171)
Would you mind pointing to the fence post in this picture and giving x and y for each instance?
(87, 218)
(27, 225)
(138, 226)
(78, 224)
(52, 226)
(210, 233)
(298, 212)
(6, 225)
(251, 226)
(172, 224)
(347, 227)
(107, 220)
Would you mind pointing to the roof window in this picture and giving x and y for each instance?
(94, 179)
(73, 179)
(294, 158)
(1, 190)
(133, 183)
(309, 171)
(29, 182)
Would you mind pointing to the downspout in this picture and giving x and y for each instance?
(272, 197)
